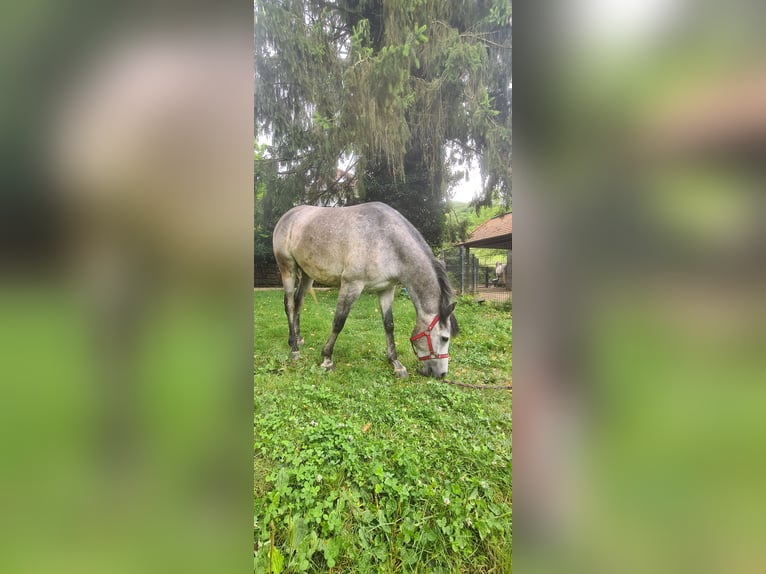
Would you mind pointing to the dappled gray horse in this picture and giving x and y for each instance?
(366, 247)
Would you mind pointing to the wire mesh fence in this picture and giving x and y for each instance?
(484, 273)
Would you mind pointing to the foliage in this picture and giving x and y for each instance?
(357, 471)
(464, 218)
(265, 214)
(405, 90)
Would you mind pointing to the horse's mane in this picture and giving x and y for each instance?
(445, 296)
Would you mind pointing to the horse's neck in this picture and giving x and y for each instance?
(424, 293)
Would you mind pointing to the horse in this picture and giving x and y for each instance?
(500, 273)
(367, 247)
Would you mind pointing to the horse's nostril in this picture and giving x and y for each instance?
(441, 375)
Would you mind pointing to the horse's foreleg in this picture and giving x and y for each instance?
(386, 299)
(347, 296)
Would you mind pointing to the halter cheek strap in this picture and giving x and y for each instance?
(427, 334)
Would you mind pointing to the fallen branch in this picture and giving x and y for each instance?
(508, 386)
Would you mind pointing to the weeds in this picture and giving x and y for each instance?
(357, 471)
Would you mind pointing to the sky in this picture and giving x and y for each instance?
(467, 188)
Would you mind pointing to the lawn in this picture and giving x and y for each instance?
(358, 471)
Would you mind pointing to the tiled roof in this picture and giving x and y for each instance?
(495, 232)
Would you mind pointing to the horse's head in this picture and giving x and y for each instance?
(431, 345)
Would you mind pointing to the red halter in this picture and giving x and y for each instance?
(427, 334)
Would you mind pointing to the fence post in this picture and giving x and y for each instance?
(470, 273)
(475, 274)
(462, 270)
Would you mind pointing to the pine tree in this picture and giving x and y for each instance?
(408, 90)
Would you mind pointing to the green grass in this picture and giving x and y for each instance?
(358, 471)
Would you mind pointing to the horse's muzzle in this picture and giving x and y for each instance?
(428, 371)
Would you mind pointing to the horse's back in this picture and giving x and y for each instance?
(363, 242)
(358, 226)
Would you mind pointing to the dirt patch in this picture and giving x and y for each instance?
(493, 294)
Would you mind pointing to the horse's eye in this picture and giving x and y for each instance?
(445, 339)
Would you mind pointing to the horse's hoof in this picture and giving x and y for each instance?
(295, 355)
(401, 373)
(328, 365)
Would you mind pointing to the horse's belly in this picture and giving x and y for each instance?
(380, 285)
(323, 276)
(326, 275)
(334, 275)
(335, 264)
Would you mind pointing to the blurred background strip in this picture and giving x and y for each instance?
(125, 296)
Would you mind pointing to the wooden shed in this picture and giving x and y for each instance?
(496, 233)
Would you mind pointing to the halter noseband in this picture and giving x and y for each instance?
(427, 334)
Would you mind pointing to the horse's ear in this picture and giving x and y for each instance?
(453, 326)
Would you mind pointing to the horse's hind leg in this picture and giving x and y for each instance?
(300, 293)
(290, 277)
(386, 299)
(347, 296)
